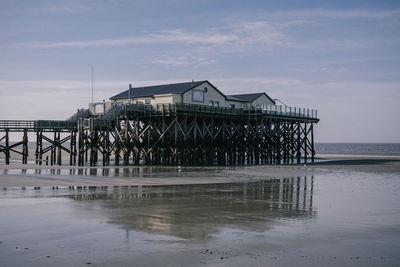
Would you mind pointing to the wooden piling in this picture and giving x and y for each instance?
(7, 148)
(25, 150)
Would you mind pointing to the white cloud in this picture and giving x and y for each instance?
(172, 36)
(184, 59)
(323, 70)
(341, 14)
(260, 32)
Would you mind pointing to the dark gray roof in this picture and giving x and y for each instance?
(248, 97)
(157, 90)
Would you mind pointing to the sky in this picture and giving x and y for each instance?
(339, 57)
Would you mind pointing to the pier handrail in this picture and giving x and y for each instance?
(273, 110)
(18, 124)
(113, 113)
(32, 125)
(81, 113)
(289, 111)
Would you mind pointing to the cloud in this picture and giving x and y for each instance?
(53, 85)
(64, 8)
(184, 59)
(59, 88)
(171, 36)
(260, 32)
(323, 70)
(341, 14)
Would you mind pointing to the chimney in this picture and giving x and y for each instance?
(129, 93)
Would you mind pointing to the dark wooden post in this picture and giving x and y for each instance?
(86, 146)
(105, 147)
(59, 160)
(52, 152)
(41, 148)
(292, 142)
(25, 147)
(81, 147)
(37, 148)
(312, 143)
(72, 148)
(7, 147)
(117, 143)
(305, 142)
(298, 145)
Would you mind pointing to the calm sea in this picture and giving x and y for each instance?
(358, 148)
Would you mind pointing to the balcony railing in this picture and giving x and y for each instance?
(288, 111)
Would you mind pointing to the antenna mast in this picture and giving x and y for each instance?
(92, 82)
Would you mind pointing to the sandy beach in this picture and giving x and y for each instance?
(341, 210)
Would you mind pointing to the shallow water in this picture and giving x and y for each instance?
(382, 149)
(331, 218)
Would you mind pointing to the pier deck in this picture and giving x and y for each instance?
(170, 134)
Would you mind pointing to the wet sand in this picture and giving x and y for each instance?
(19, 175)
(333, 213)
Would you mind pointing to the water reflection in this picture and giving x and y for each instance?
(131, 171)
(199, 211)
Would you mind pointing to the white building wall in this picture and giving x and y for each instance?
(237, 104)
(210, 94)
(162, 99)
(262, 100)
(158, 99)
(100, 107)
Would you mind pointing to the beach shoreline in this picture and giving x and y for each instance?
(20, 175)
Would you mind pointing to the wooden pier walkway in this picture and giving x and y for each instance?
(170, 134)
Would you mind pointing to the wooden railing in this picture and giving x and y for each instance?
(163, 110)
(31, 125)
(17, 124)
(172, 109)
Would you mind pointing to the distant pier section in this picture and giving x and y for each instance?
(177, 124)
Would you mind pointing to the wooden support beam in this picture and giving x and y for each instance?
(298, 145)
(7, 147)
(312, 143)
(59, 148)
(25, 150)
(305, 142)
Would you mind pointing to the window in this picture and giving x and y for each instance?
(232, 105)
(99, 108)
(198, 96)
(213, 103)
(205, 89)
(139, 102)
(147, 101)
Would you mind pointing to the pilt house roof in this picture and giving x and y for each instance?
(180, 88)
(248, 97)
(175, 88)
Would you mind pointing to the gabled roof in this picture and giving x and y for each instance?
(176, 88)
(248, 97)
